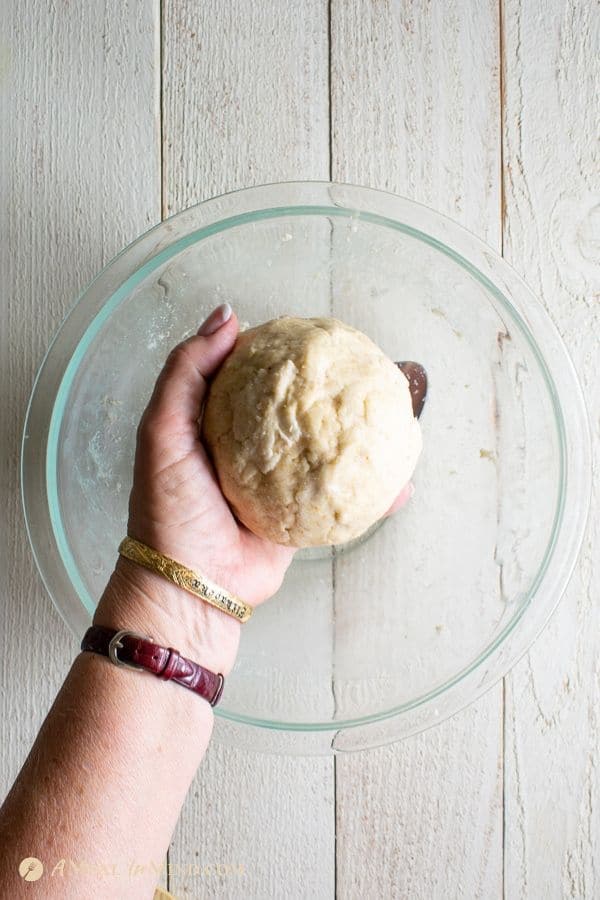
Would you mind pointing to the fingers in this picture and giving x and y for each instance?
(181, 386)
(402, 498)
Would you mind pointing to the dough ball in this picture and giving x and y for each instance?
(311, 431)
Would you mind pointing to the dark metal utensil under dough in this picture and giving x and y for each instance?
(417, 382)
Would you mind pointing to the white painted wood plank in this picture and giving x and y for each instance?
(245, 99)
(415, 106)
(551, 236)
(81, 175)
(422, 819)
(245, 96)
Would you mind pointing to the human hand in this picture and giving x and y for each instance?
(176, 507)
(176, 504)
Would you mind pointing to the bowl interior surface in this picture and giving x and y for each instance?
(357, 634)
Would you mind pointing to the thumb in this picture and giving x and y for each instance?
(180, 388)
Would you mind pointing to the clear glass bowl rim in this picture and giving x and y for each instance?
(561, 381)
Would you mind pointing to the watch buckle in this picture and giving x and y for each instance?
(116, 643)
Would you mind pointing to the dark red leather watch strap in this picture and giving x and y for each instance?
(134, 651)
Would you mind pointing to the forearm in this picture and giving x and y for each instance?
(109, 771)
(106, 778)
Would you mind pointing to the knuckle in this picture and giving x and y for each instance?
(178, 358)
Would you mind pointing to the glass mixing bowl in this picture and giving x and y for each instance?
(366, 643)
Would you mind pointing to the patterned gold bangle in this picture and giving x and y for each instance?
(185, 578)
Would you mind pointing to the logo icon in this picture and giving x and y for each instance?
(30, 868)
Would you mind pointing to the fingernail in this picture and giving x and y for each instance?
(216, 320)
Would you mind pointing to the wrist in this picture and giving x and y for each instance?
(144, 601)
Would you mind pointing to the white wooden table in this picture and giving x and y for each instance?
(117, 113)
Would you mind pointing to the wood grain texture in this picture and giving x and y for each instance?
(416, 104)
(416, 110)
(245, 100)
(415, 91)
(245, 96)
(80, 168)
(552, 236)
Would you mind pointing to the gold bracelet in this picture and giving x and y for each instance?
(185, 578)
